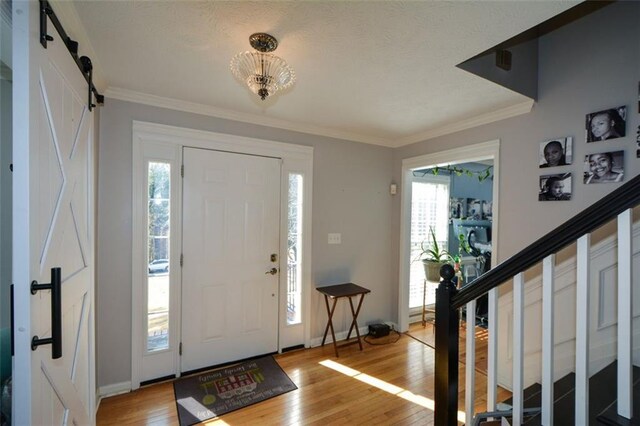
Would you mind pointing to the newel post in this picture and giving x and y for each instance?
(446, 374)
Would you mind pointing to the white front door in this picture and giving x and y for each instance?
(53, 220)
(231, 216)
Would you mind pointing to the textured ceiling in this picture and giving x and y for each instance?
(375, 71)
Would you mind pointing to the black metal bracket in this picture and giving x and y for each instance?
(46, 11)
(56, 313)
(87, 69)
(13, 343)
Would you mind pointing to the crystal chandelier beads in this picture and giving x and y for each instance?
(264, 73)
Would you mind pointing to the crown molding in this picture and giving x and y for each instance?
(468, 123)
(211, 111)
(70, 20)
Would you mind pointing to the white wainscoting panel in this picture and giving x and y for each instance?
(603, 324)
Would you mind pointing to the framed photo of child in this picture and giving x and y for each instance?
(604, 167)
(606, 124)
(555, 187)
(556, 152)
(474, 209)
(458, 208)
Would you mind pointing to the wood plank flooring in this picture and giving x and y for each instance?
(392, 384)
(427, 336)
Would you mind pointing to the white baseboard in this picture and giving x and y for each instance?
(113, 389)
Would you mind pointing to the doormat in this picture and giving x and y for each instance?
(214, 393)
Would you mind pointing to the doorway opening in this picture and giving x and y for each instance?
(463, 209)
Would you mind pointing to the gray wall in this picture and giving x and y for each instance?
(350, 195)
(470, 186)
(587, 66)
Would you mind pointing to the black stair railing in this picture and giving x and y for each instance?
(449, 300)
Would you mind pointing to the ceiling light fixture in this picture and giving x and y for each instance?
(263, 72)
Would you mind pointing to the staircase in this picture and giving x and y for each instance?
(602, 394)
(607, 397)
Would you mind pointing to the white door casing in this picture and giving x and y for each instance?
(476, 152)
(53, 227)
(152, 141)
(231, 217)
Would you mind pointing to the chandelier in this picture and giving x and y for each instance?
(263, 72)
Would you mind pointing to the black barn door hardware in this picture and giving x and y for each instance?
(56, 314)
(46, 11)
(13, 343)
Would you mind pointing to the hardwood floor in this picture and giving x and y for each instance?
(391, 384)
(427, 336)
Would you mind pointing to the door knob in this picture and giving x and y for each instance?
(272, 271)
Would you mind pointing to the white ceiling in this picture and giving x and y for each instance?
(381, 72)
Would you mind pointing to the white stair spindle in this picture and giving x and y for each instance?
(470, 369)
(518, 348)
(582, 331)
(625, 318)
(548, 272)
(492, 349)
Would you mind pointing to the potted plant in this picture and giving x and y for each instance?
(433, 256)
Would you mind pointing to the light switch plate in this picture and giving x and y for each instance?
(335, 239)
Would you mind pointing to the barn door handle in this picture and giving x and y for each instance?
(56, 314)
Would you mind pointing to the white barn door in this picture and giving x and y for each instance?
(53, 227)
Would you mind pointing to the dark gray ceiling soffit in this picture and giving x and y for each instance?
(514, 63)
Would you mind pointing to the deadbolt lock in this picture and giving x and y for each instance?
(274, 257)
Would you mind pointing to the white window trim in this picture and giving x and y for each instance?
(482, 151)
(295, 159)
(144, 152)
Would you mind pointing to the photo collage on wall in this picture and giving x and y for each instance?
(553, 153)
(471, 209)
(601, 166)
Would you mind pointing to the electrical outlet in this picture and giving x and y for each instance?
(335, 239)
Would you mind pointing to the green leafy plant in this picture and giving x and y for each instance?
(459, 171)
(463, 245)
(431, 251)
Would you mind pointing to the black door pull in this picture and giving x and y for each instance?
(56, 314)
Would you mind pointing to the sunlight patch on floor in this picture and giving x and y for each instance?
(423, 401)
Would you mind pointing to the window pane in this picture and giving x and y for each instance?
(158, 220)
(294, 245)
(429, 208)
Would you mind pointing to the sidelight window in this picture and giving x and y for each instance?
(158, 277)
(294, 248)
